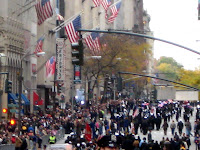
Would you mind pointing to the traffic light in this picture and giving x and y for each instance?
(119, 84)
(109, 86)
(59, 90)
(12, 122)
(8, 86)
(77, 53)
(154, 94)
(4, 110)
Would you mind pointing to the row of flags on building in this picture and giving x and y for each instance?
(44, 11)
(114, 8)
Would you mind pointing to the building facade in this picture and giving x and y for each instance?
(19, 33)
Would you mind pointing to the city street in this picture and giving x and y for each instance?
(158, 135)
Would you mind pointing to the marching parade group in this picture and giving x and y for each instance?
(122, 124)
(117, 125)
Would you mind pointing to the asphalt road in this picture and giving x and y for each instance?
(158, 135)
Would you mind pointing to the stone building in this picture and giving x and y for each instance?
(19, 32)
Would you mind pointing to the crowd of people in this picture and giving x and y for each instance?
(33, 129)
(125, 120)
(121, 124)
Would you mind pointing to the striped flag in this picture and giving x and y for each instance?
(97, 2)
(95, 37)
(155, 81)
(71, 29)
(50, 66)
(114, 11)
(43, 10)
(106, 4)
(60, 18)
(39, 46)
(89, 42)
(136, 113)
(93, 42)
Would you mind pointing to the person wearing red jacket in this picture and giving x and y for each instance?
(13, 139)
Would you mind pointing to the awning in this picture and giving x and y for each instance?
(37, 100)
(12, 98)
(25, 99)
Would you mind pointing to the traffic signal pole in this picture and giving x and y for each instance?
(20, 79)
(142, 75)
(140, 35)
(1, 100)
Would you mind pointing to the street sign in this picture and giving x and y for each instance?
(49, 106)
(13, 105)
(13, 110)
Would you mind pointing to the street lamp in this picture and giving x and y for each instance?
(20, 78)
(2, 63)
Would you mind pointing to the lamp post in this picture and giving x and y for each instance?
(2, 63)
(20, 79)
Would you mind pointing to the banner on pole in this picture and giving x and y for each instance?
(77, 74)
(60, 65)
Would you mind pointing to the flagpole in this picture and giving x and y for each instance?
(56, 29)
(86, 34)
(29, 50)
(114, 3)
(89, 22)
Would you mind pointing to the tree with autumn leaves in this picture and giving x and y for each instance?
(118, 53)
(172, 70)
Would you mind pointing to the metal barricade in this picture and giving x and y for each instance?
(7, 147)
(59, 135)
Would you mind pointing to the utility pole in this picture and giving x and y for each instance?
(114, 90)
(20, 79)
(139, 35)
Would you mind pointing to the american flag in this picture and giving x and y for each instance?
(114, 10)
(50, 66)
(43, 10)
(136, 113)
(155, 81)
(93, 42)
(71, 29)
(39, 45)
(60, 18)
(106, 4)
(97, 2)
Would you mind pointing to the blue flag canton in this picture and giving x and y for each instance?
(109, 1)
(40, 39)
(118, 5)
(77, 23)
(52, 59)
(44, 2)
(94, 35)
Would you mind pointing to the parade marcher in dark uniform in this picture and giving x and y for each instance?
(136, 125)
(180, 127)
(158, 121)
(165, 126)
(144, 126)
